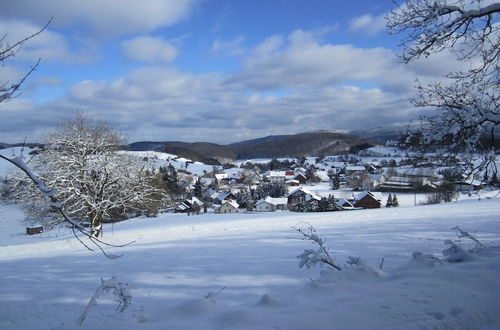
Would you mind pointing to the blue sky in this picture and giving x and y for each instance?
(207, 70)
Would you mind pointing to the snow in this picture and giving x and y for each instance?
(6, 167)
(240, 271)
(158, 159)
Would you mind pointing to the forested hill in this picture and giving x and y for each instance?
(297, 145)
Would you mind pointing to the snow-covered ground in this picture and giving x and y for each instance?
(240, 271)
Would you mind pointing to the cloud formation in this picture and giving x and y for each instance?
(103, 18)
(231, 47)
(368, 24)
(300, 61)
(149, 49)
(286, 83)
(160, 103)
(49, 45)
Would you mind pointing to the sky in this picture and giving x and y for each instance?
(208, 70)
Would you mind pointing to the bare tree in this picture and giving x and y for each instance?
(466, 116)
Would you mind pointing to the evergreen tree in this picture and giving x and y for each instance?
(243, 197)
(335, 182)
(395, 202)
(198, 189)
(390, 202)
(272, 189)
(169, 176)
(312, 205)
(332, 204)
(323, 205)
(214, 185)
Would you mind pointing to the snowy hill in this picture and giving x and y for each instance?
(240, 272)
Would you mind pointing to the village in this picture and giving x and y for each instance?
(374, 178)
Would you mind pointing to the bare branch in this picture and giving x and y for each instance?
(11, 50)
(310, 258)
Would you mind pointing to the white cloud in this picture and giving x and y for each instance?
(231, 47)
(104, 17)
(149, 49)
(162, 103)
(10, 74)
(368, 24)
(49, 45)
(269, 46)
(286, 84)
(302, 62)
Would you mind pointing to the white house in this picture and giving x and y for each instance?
(276, 176)
(301, 195)
(270, 204)
(228, 206)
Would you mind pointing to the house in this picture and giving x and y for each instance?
(322, 175)
(301, 178)
(270, 204)
(367, 200)
(276, 176)
(371, 168)
(468, 185)
(344, 203)
(251, 177)
(228, 206)
(407, 183)
(189, 205)
(396, 184)
(220, 197)
(221, 176)
(350, 170)
(301, 195)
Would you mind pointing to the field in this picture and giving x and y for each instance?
(241, 272)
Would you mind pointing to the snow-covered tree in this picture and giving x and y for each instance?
(311, 205)
(88, 176)
(328, 204)
(389, 202)
(467, 115)
(395, 202)
(359, 181)
(272, 189)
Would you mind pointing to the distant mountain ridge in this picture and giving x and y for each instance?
(380, 134)
(256, 141)
(308, 144)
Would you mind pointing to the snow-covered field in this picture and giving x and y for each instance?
(241, 272)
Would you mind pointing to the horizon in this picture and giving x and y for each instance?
(203, 70)
(346, 132)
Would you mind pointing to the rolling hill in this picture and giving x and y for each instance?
(316, 143)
